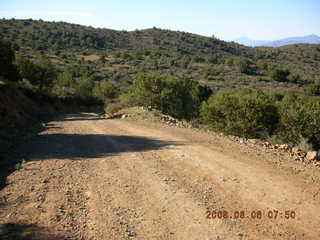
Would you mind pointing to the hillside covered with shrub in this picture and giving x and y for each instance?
(120, 55)
(269, 93)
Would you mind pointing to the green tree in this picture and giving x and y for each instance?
(105, 90)
(8, 70)
(65, 79)
(178, 97)
(64, 85)
(299, 118)
(84, 86)
(247, 112)
(40, 74)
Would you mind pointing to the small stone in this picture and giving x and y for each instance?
(284, 147)
(253, 141)
(267, 144)
(223, 180)
(296, 150)
(302, 154)
(311, 156)
(131, 234)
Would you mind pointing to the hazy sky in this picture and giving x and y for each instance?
(226, 19)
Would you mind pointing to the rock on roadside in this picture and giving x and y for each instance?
(313, 155)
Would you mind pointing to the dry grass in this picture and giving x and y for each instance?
(89, 57)
(141, 113)
(304, 145)
(115, 66)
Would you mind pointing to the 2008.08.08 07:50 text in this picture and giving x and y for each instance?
(255, 214)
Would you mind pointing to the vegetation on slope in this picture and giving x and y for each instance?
(173, 72)
(119, 56)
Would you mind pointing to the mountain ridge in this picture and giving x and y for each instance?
(307, 39)
(44, 35)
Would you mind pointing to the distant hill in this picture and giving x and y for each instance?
(42, 35)
(309, 39)
(120, 55)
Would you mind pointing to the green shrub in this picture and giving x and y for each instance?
(42, 74)
(123, 101)
(176, 96)
(113, 107)
(279, 75)
(83, 87)
(262, 65)
(20, 165)
(314, 89)
(246, 112)
(300, 118)
(229, 61)
(294, 78)
(242, 65)
(104, 90)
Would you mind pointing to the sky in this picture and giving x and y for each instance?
(225, 19)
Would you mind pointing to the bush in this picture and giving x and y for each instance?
(104, 90)
(294, 78)
(314, 89)
(242, 65)
(246, 113)
(41, 74)
(112, 108)
(123, 101)
(300, 118)
(83, 87)
(279, 75)
(176, 96)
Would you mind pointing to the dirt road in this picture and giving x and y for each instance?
(91, 178)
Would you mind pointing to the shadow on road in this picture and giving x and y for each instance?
(79, 116)
(77, 146)
(13, 231)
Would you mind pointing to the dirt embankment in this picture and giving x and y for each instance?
(24, 113)
(92, 178)
(20, 110)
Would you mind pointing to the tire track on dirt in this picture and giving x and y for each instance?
(247, 191)
(93, 178)
(148, 207)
